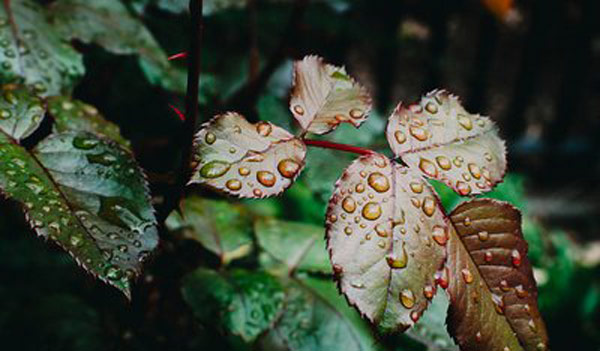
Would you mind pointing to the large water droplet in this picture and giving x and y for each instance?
(371, 211)
(398, 261)
(400, 137)
(463, 188)
(443, 162)
(465, 122)
(210, 138)
(516, 258)
(407, 298)
(475, 171)
(428, 292)
(288, 168)
(348, 204)
(378, 182)
(428, 206)
(439, 235)
(243, 171)
(418, 133)
(356, 113)
(214, 169)
(483, 235)
(264, 128)
(431, 108)
(299, 110)
(113, 273)
(233, 184)
(428, 168)
(467, 275)
(84, 143)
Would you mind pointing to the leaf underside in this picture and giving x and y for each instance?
(386, 234)
(491, 286)
(33, 52)
(323, 96)
(445, 142)
(246, 160)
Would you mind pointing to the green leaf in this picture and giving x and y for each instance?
(21, 112)
(75, 115)
(299, 246)
(246, 160)
(447, 143)
(386, 233)
(241, 302)
(431, 329)
(222, 228)
(315, 317)
(32, 51)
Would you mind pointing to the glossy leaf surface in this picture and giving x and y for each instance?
(246, 160)
(21, 112)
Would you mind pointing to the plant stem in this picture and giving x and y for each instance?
(337, 146)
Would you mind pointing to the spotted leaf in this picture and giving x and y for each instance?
(386, 234)
(493, 296)
(447, 143)
(33, 52)
(324, 96)
(244, 159)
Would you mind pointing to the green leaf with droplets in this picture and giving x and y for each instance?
(33, 52)
(246, 160)
(21, 112)
(222, 228)
(316, 317)
(75, 115)
(241, 302)
(493, 296)
(445, 142)
(300, 247)
(386, 233)
(323, 96)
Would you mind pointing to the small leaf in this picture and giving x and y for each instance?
(493, 296)
(447, 143)
(246, 160)
(324, 96)
(300, 246)
(21, 112)
(386, 234)
(241, 302)
(222, 228)
(33, 51)
(75, 115)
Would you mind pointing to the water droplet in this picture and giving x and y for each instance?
(416, 187)
(428, 206)
(5, 114)
(465, 122)
(254, 156)
(381, 230)
(407, 298)
(257, 192)
(498, 303)
(428, 167)
(332, 218)
(516, 258)
(467, 221)
(357, 284)
(463, 188)
(475, 171)
(299, 110)
(400, 137)
(348, 230)
(428, 292)
(441, 278)
(398, 261)
(378, 182)
(531, 325)
(243, 171)
(541, 347)
(488, 256)
(214, 169)
(84, 143)
(381, 244)
(521, 292)
(264, 129)
(356, 113)
(431, 108)
(113, 273)
(122, 248)
(360, 188)
(348, 204)
(488, 157)
(418, 133)
(504, 285)
(467, 275)
(478, 337)
(443, 162)
(486, 174)
(288, 168)
(371, 211)
(414, 315)
(233, 184)
(440, 235)
(483, 235)
(232, 150)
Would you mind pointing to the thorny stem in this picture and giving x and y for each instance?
(337, 146)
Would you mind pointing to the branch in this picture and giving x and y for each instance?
(340, 147)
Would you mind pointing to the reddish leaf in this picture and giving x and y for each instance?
(493, 296)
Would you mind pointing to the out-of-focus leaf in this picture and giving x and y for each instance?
(431, 329)
(315, 317)
(241, 302)
(83, 192)
(33, 52)
(493, 296)
(222, 228)
(447, 143)
(75, 115)
(323, 96)
(246, 160)
(500, 8)
(299, 246)
(386, 234)
(273, 109)
(323, 167)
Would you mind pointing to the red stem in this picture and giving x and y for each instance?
(340, 147)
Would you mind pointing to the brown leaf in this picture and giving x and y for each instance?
(493, 296)
(323, 96)
(447, 143)
(244, 159)
(385, 235)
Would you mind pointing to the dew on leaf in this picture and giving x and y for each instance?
(214, 169)
(288, 168)
(371, 211)
(210, 138)
(233, 184)
(348, 204)
(428, 167)
(407, 298)
(378, 182)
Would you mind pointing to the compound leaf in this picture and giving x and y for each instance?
(386, 234)
(447, 143)
(493, 296)
(323, 96)
(244, 159)
(33, 52)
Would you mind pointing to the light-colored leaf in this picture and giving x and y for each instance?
(447, 143)
(386, 234)
(493, 296)
(299, 246)
(21, 112)
(222, 228)
(324, 96)
(75, 115)
(244, 159)
(33, 52)
(243, 303)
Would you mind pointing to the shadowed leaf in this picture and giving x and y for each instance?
(431, 329)
(222, 228)
(33, 51)
(493, 296)
(21, 112)
(386, 234)
(324, 96)
(242, 303)
(246, 160)
(447, 143)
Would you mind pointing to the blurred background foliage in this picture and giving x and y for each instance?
(254, 275)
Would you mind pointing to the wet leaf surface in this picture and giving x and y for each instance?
(445, 142)
(323, 96)
(246, 160)
(386, 234)
(493, 296)
(21, 112)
